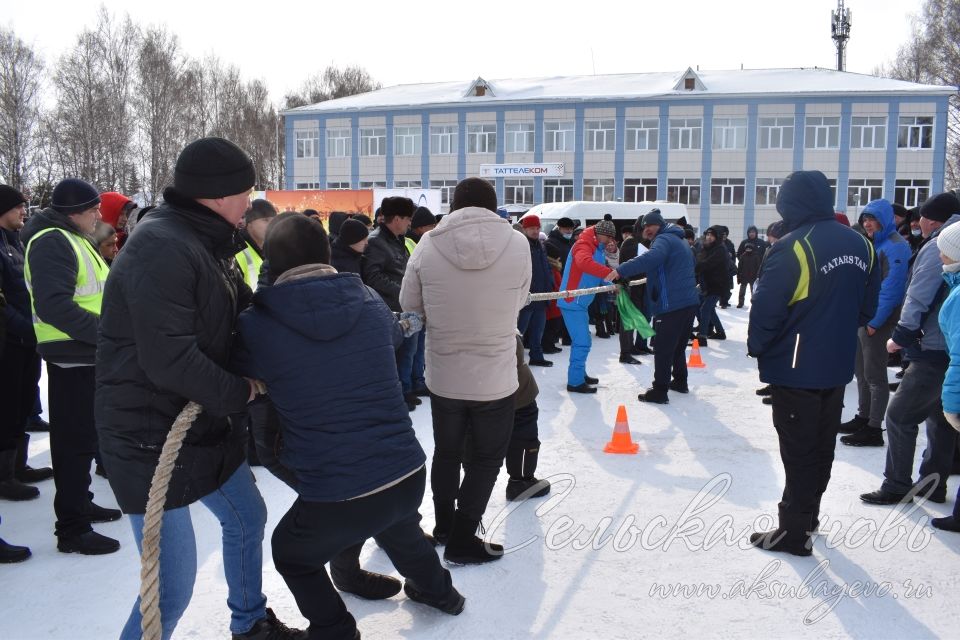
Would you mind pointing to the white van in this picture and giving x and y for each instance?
(585, 214)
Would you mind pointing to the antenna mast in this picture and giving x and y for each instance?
(840, 21)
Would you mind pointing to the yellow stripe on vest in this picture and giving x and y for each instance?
(803, 283)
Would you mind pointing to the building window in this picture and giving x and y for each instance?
(406, 141)
(598, 189)
(685, 190)
(686, 133)
(860, 191)
(730, 133)
(338, 186)
(558, 190)
(776, 133)
(339, 143)
(599, 135)
(407, 184)
(373, 184)
(373, 141)
(558, 136)
(518, 191)
(915, 132)
(639, 189)
(519, 137)
(868, 132)
(911, 193)
(727, 191)
(481, 138)
(306, 186)
(308, 143)
(443, 140)
(446, 189)
(643, 135)
(767, 190)
(823, 132)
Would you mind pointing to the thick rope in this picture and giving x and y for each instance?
(150, 556)
(573, 293)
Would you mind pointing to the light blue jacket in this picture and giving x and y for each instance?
(950, 326)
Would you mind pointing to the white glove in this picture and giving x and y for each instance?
(953, 419)
(410, 322)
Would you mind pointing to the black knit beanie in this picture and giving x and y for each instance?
(294, 240)
(422, 217)
(940, 207)
(352, 231)
(474, 192)
(9, 198)
(213, 168)
(73, 195)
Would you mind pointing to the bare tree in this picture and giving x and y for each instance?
(21, 77)
(330, 84)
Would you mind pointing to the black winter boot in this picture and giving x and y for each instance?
(602, 328)
(655, 395)
(866, 436)
(522, 467)
(443, 514)
(10, 487)
(269, 628)
(854, 424)
(10, 553)
(23, 471)
(792, 536)
(346, 574)
(465, 547)
(452, 603)
(90, 543)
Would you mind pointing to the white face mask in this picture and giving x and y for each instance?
(915, 232)
(567, 236)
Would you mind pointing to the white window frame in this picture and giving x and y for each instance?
(642, 134)
(868, 132)
(686, 134)
(860, 191)
(766, 191)
(724, 192)
(339, 143)
(915, 132)
(407, 184)
(307, 142)
(598, 189)
(822, 132)
(558, 190)
(776, 132)
(373, 141)
(407, 140)
(685, 190)
(518, 191)
(639, 189)
(372, 184)
(729, 134)
(599, 135)
(559, 136)
(444, 139)
(482, 138)
(911, 192)
(307, 186)
(446, 188)
(518, 137)
(338, 186)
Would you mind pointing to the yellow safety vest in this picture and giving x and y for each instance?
(410, 244)
(92, 273)
(250, 262)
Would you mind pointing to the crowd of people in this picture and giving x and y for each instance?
(213, 298)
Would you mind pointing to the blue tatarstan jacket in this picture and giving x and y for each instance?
(818, 284)
(894, 254)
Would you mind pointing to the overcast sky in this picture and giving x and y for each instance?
(432, 40)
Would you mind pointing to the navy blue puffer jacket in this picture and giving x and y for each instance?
(324, 345)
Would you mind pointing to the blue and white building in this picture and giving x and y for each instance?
(719, 141)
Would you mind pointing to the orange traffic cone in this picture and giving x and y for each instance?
(695, 361)
(621, 442)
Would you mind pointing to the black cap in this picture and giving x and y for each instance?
(213, 168)
(566, 223)
(73, 195)
(423, 217)
(940, 207)
(352, 231)
(294, 240)
(9, 198)
(474, 192)
(653, 218)
(397, 207)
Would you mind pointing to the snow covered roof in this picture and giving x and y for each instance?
(765, 82)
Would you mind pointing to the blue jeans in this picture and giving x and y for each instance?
(242, 515)
(578, 326)
(533, 317)
(406, 354)
(708, 315)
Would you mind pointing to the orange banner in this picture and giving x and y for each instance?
(359, 201)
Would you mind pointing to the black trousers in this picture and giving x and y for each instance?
(312, 533)
(670, 357)
(552, 332)
(73, 444)
(489, 425)
(807, 422)
(19, 374)
(524, 447)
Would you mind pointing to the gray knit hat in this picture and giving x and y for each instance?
(605, 228)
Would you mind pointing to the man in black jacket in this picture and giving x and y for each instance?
(66, 274)
(711, 268)
(384, 263)
(169, 312)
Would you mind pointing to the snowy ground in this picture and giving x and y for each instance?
(586, 562)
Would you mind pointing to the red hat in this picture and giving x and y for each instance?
(530, 221)
(111, 205)
(842, 218)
